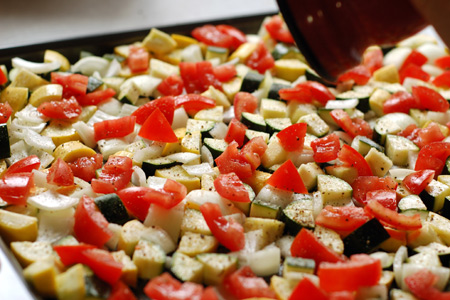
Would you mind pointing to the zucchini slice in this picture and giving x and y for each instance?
(299, 214)
(366, 238)
(253, 121)
(112, 208)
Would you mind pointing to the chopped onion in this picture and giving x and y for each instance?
(86, 133)
(149, 152)
(38, 141)
(180, 118)
(54, 225)
(199, 170)
(113, 69)
(37, 68)
(138, 178)
(183, 157)
(207, 156)
(88, 65)
(219, 131)
(52, 201)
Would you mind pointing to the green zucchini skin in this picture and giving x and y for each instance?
(366, 238)
(150, 166)
(251, 82)
(5, 149)
(112, 208)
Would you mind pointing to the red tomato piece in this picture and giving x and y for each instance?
(65, 109)
(210, 294)
(243, 284)
(307, 290)
(415, 58)
(3, 78)
(71, 254)
(60, 173)
(350, 157)
(192, 103)
(413, 71)
(157, 128)
(353, 127)
(232, 161)
(373, 59)
(90, 226)
(342, 218)
(342, 295)
(443, 62)
(431, 133)
(400, 102)
(292, 138)
(392, 218)
(85, 167)
(416, 182)
(120, 291)
(244, 102)
(176, 190)
(165, 287)
(430, 99)
(421, 284)
(197, 77)
(136, 200)
(212, 36)
(15, 187)
(225, 73)
(138, 59)
(236, 132)
(25, 165)
(361, 270)
(171, 86)
(326, 148)
(260, 60)
(103, 264)
(228, 232)
(360, 75)
(96, 97)
(386, 197)
(318, 91)
(162, 198)
(253, 150)
(278, 30)
(299, 93)
(442, 80)
(5, 112)
(307, 245)
(165, 104)
(115, 128)
(287, 178)
(231, 187)
(117, 171)
(433, 157)
(237, 36)
(73, 84)
(364, 184)
(411, 132)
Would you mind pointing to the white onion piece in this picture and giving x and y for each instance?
(40, 179)
(183, 157)
(138, 178)
(111, 106)
(156, 183)
(54, 225)
(86, 133)
(113, 69)
(52, 201)
(199, 170)
(180, 118)
(396, 57)
(149, 152)
(228, 114)
(37, 68)
(207, 156)
(400, 256)
(30, 114)
(219, 131)
(145, 83)
(38, 141)
(88, 65)
(432, 51)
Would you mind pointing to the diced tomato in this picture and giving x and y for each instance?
(443, 62)
(225, 72)
(227, 231)
(415, 58)
(433, 157)
(165, 287)
(24, 165)
(165, 199)
(342, 295)
(422, 285)
(253, 150)
(103, 265)
(287, 178)
(120, 291)
(361, 270)
(353, 127)
(157, 128)
(416, 182)
(342, 218)
(413, 71)
(260, 60)
(15, 187)
(318, 91)
(373, 59)
(165, 104)
(5, 112)
(307, 92)
(244, 102)
(442, 80)
(90, 226)
(430, 99)
(392, 218)
(114, 128)
(236, 132)
(102, 187)
(210, 294)
(71, 254)
(138, 59)
(431, 133)
(192, 103)
(198, 76)
(177, 192)
(307, 245)
(231, 187)
(117, 172)
(136, 201)
(278, 30)
(292, 138)
(307, 290)
(3, 78)
(326, 148)
(65, 109)
(237, 36)
(364, 184)
(360, 75)
(85, 167)
(96, 97)
(350, 157)
(60, 173)
(232, 161)
(73, 84)
(244, 284)
(411, 132)
(386, 197)
(400, 102)
(212, 36)
(171, 86)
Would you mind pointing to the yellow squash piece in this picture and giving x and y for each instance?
(387, 73)
(29, 252)
(70, 285)
(42, 276)
(46, 93)
(290, 69)
(61, 132)
(170, 148)
(17, 227)
(51, 56)
(129, 270)
(243, 52)
(177, 173)
(159, 42)
(272, 229)
(192, 243)
(25, 78)
(17, 97)
(182, 40)
(73, 150)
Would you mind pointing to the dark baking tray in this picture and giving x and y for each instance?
(96, 44)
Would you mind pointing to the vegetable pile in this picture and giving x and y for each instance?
(220, 166)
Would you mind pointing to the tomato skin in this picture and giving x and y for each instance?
(114, 128)
(103, 265)
(326, 148)
(373, 59)
(198, 76)
(90, 225)
(342, 218)
(3, 78)
(209, 294)
(193, 103)
(360, 270)
(138, 59)
(421, 284)
(5, 112)
(233, 161)
(353, 127)
(413, 71)
(231, 187)
(253, 150)
(278, 31)
(392, 218)
(165, 287)
(306, 290)
(136, 201)
(73, 84)
(431, 133)
(65, 109)
(360, 75)
(442, 80)
(318, 91)
(171, 86)
(400, 102)
(236, 132)
(433, 157)
(243, 284)
(96, 97)
(386, 197)
(292, 138)
(225, 73)
(165, 104)
(27, 164)
(430, 99)
(116, 172)
(15, 187)
(364, 184)
(415, 58)
(307, 92)
(244, 102)
(228, 232)
(60, 173)
(85, 167)
(212, 36)
(443, 62)
(120, 291)
(157, 128)
(350, 157)
(416, 182)
(237, 36)
(287, 178)
(261, 60)
(71, 254)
